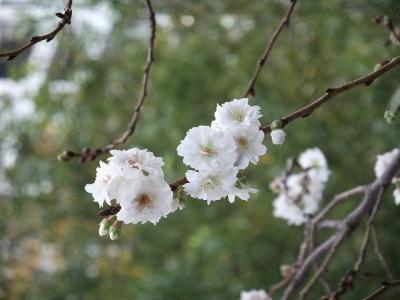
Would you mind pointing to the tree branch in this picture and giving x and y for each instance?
(250, 91)
(386, 285)
(90, 154)
(347, 227)
(379, 254)
(367, 80)
(65, 19)
(388, 24)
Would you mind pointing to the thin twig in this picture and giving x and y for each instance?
(333, 249)
(90, 154)
(65, 20)
(388, 24)
(332, 92)
(336, 200)
(250, 91)
(380, 256)
(386, 285)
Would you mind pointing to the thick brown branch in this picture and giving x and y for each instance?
(348, 225)
(347, 281)
(90, 154)
(65, 19)
(250, 91)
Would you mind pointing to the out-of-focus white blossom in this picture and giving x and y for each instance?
(383, 161)
(210, 185)
(285, 208)
(235, 113)
(301, 193)
(254, 295)
(278, 136)
(204, 147)
(314, 160)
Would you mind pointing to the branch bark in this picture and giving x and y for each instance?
(65, 20)
(347, 227)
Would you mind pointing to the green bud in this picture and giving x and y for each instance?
(387, 22)
(389, 116)
(104, 227)
(115, 230)
(377, 67)
(277, 124)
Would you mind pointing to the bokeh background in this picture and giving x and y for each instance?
(79, 91)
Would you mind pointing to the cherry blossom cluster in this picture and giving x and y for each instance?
(381, 164)
(299, 194)
(134, 179)
(218, 152)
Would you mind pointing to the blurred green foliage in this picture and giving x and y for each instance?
(202, 252)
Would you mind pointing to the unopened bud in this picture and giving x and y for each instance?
(389, 116)
(287, 271)
(387, 22)
(277, 124)
(278, 136)
(105, 225)
(115, 230)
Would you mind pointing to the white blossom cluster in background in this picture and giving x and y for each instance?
(299, 194)
(218, 152)
(381, 164)
(135, 180)
(254, 295)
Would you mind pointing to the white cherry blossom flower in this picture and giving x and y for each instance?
(204, 147)
(242, 192)
(383, 161)
(278, 136)
(249, 145)
(144, 199)
(105, 176)
(135, 158)
(210, 185)
(254, 295)
(235, 113)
